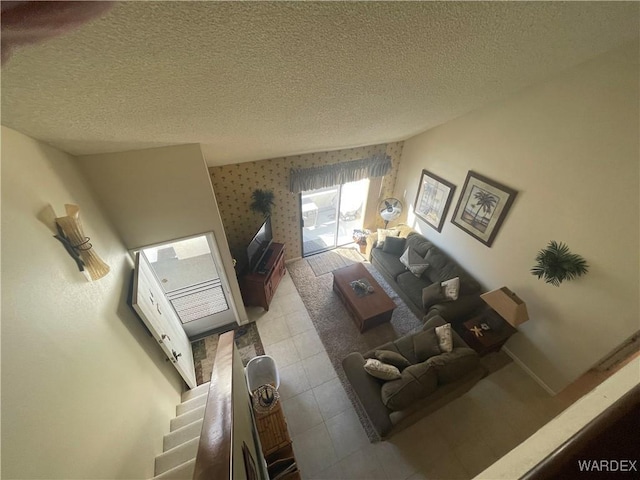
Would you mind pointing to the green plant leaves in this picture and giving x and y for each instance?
(262, 201)
(556, 263)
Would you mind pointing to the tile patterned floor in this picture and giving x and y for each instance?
(457, 441)
(247, 339)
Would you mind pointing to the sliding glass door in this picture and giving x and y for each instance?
(329, 215)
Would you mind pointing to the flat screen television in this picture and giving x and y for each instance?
(259, 244)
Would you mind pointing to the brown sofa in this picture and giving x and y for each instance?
(424, 387)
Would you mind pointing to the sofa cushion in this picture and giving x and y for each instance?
(383, 233)
(416, 382)
(425, 344)
(392, 358)
(451, 366)
(449, 270)
(388, 263)
(438, 261)
(443, 268)
(383, 371)
(412, 286)
(394, 245)
(432, 295)
(420, 244)
(414, 262)
(468, 285)
(404, 346)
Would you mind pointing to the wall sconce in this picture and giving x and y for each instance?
(507, 304)
(72, 236)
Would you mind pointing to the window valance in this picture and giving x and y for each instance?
(304, 179)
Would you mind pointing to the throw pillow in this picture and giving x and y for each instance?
(432, 295)
(414, 262)
(384, 233)
(394, 245)
(381, 370)
(451, 289)
(392, 358)
(426, 344)
(445, 338)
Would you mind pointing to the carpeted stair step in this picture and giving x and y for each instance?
(183, 471)
(177, 456)
(190, 404)
(195, 392)
(187, 418)
(182, 435)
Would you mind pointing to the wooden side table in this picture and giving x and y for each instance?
(491, 340)
(276, 442)
(272, 429)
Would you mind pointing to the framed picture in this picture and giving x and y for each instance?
(482, 207)
(433, 199)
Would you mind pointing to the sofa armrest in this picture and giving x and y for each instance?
(372, 242)
(367, 390)
(434, 320)
(458, 311)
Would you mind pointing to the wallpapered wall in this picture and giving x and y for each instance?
(233, 185)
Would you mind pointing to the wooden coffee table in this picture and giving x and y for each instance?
(367, 310)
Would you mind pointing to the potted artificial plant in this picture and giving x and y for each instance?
(556, 264)
(262, 202)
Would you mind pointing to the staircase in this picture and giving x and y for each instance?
(180, 445)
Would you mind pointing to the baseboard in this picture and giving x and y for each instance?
(538, 380)
(620, 353)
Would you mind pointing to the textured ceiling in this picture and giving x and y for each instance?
(261, 80)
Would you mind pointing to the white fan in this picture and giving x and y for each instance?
(390, 209)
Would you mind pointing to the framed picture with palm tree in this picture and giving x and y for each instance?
(482, 207)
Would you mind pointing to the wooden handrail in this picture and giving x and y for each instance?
(213, 460)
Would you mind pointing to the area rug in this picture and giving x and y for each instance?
(338, 331)
(246, 338)
(326, 262)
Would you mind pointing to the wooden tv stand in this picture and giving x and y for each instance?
(258, 289)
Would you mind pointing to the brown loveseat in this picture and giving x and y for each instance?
(426, 385)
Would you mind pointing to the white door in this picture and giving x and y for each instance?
(189, 273)
(158, 315)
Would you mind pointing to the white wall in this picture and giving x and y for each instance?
(570, 148)
(85, 390)
(160, 194)
(152, 195)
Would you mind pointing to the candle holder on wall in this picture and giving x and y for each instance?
(71, 235)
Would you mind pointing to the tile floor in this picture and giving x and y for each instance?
(457, 441)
